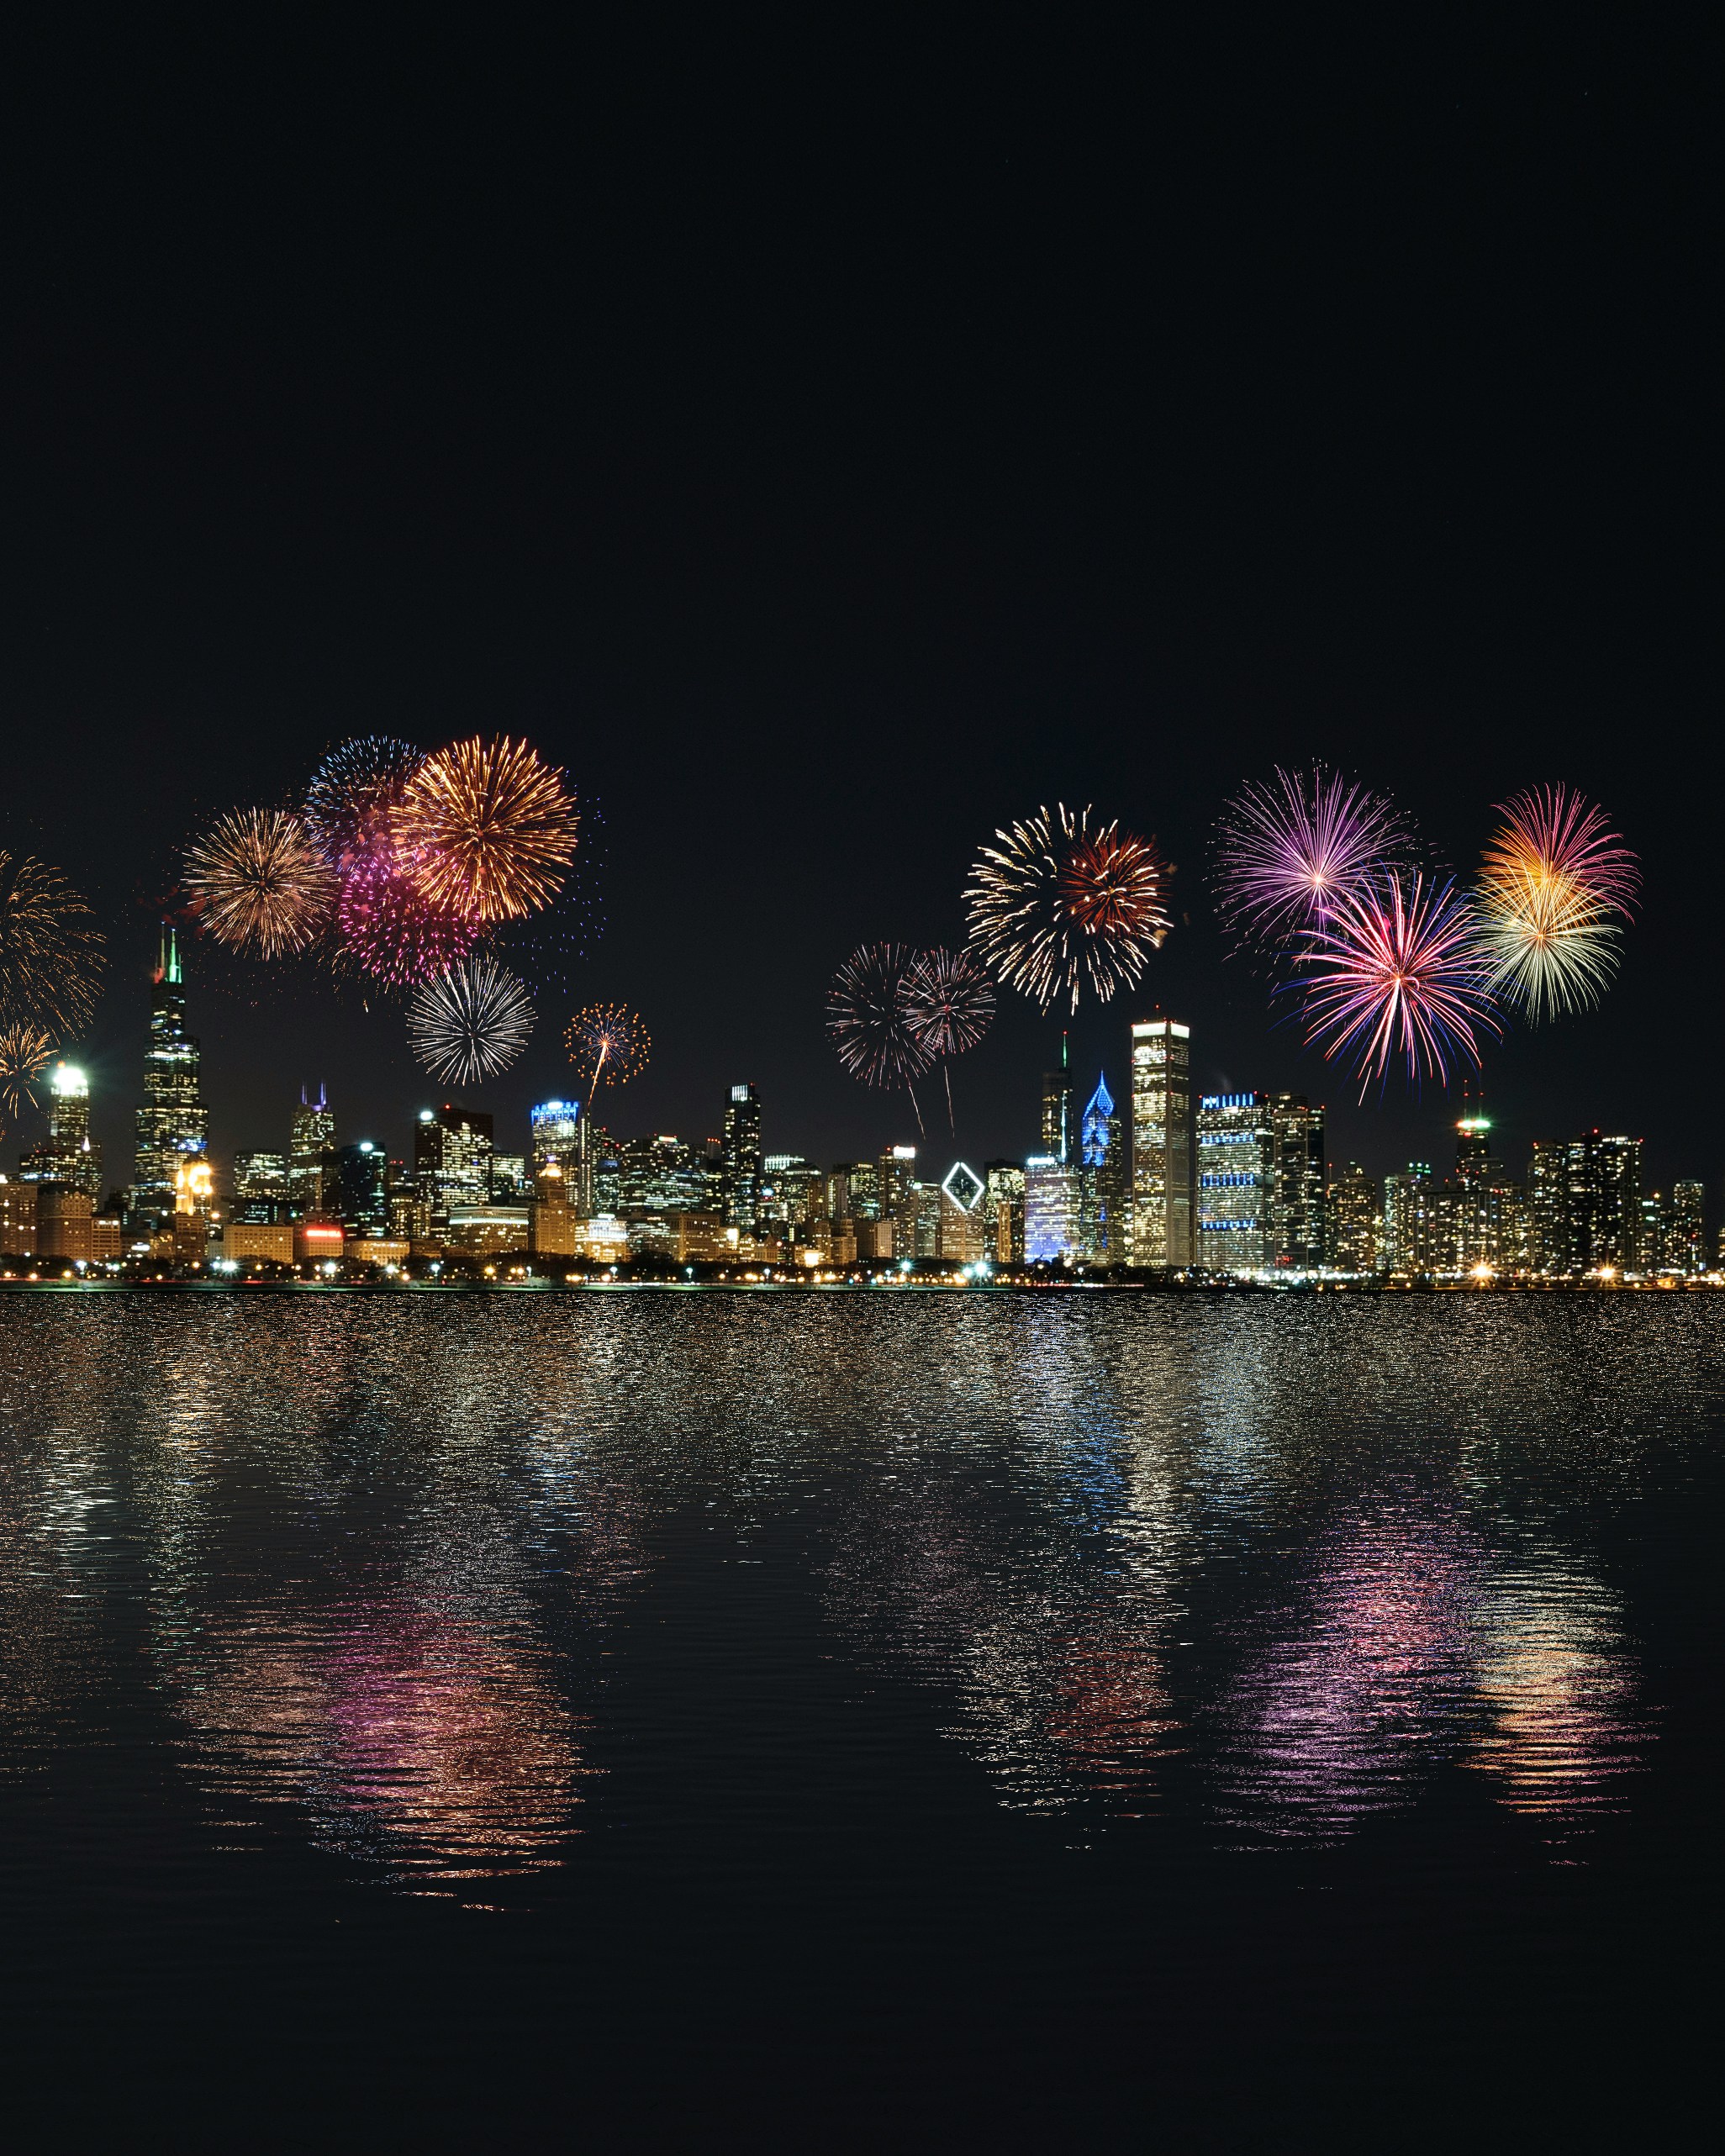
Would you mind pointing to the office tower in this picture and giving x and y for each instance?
(1479, 1218)
(895, 1191)
(1106, 1182)
(356, 1190)
(925, 1232)
(794, 1188)
(1053, 1232)
(310, 1140)
(1354, 1220)
(1653, 1229)
(1586, 1205)
(452, 1157)
(740, 1149)
(1162, 1143)
(260, 1176)
(1474, 1161)
(68, 1155)
(1059, 1136)
(1003, 1201)
(510, 1182)
(1234, 1155)
(1405, 1243)
(841, 1195)
(555, 1135)
(658, 1174)
(173, 1120)
(1297, 1232)
(1686, 1229)
(963, 1236)
(194, 1207)
(863, 1190)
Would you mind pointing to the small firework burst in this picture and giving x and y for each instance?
(354, 792)
(387, 929)
(1291, 847)
(470, 1022)
(488, 829)
(1060, 903)
(52, 958)
(24, 1050)
(949, 1001)
(608, 1045)
(1555, 888)
(869, 1018)
(1397, 971)
(259, 884)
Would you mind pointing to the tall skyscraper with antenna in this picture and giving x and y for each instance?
(172, 1119)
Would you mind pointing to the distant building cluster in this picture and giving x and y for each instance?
(1169, 1182)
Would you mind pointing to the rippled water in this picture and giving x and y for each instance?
(872, 1717)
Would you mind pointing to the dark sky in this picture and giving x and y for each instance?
(830, 443)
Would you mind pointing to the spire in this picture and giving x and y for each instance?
(171, 961)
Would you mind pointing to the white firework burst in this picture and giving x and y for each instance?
(470, 1022)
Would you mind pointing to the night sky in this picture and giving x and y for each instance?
(829, 445)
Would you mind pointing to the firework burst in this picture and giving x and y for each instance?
(1555, 886)
(1059, 904)
(1290, 848)
(869, 1018)
(608, 1044)
(1397, 971)
(949, 1001)
(488, 829)
(260, 884)
(471, 1022)
(24, 1050)
(51, 959)
(355, 789)
(387, 928)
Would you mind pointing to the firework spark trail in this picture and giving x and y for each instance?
(1397, 971)
(1555, 886)
(488, 829)
(24, 1050)
(1288, 848)
(260, 884)
(354, 791)
(51, 959)
(471, 1022)
(949, 1004)
(1060, 903)
(388, 928)
(607, 1042)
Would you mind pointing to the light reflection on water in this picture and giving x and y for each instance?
(1276, 1567)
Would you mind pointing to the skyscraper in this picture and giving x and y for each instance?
(1162, 1143)
(356, 1192)
(173, 1120)
(1686, 1228)
(740, 1147)
(1105, 1192)
(556, 1136)
(313, 1137)
(1234, 1164)
(1353, 1222)
(1586, 1205)
(1297, 1232)
(68, 1155)
(452, 1157)
(1003, 1200)
(1052, 1234)
(1405, 1245)
(1059, 1136)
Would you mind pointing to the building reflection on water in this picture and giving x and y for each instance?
(1276, 1568)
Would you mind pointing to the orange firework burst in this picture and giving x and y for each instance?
(607, 1042)
(24, 1050)
(261, 883)
(487, 827)
(51, 960)
(1555, 885)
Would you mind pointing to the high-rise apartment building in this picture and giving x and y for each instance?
(1234, 1160)
(740, 1147)
(1353, 1220)
(173, 1120)
(1163, 1195)
(1686, 1228)
(311, 1140)
(1405, 1241)
(895, 1191)
(1298, 1234)
(1585, 1202)
(1105, 1180)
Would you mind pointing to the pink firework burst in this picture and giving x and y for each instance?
(387, 928)
(949, 1001)
(1397, 971)
(1291, 848)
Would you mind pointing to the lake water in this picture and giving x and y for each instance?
(873, 1720)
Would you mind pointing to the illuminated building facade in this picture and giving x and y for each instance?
(452, 1158)
(793, 1190)
(1163, 1195)
(173, 1120)
(357, 1192)
(194, 1207)
(740, 1149)
(260, 1188)
(1585, 1201)
(1405, 1245)
(658, 1174)
(1105, 1192)
(1059, 1124)
(1353, 1220)
(1234, 1160)
(896, 1194)
(311, 1139)
(68, 1155)
(1298, 1234)
(1003, 1201)
(1053, 1232)
(555, 1135)
(17, 1218)
(1685, 1248)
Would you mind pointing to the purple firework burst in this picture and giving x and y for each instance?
(867, 1020)
(1292, 849)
